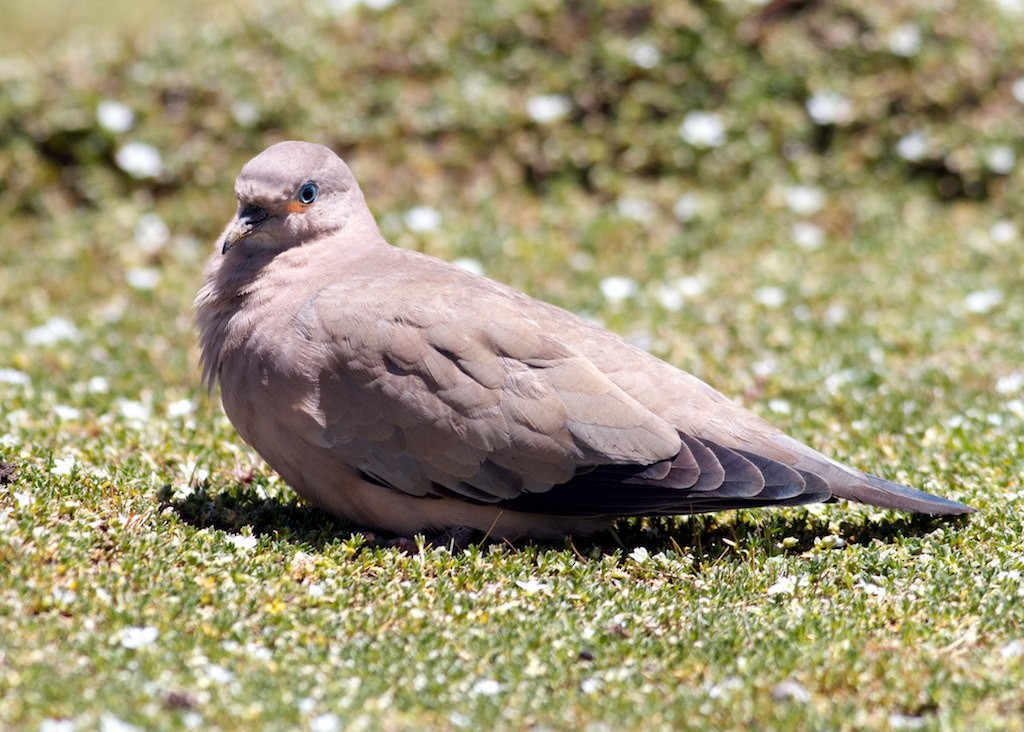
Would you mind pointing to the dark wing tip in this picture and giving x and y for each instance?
(886, 494)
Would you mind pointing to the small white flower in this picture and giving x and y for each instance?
(62, 596)
(180, 408)
(703, 129)
(835, 382)
(98, 385)
(779, 406)
(136, 637)
(1011, 7)
(486, 687)
(64, 466)
(110, 723)
(143, 278)
(643, 54)
(640, 554)
(635, 208)
(669, 298)
(1018, 90)
(547, 108)
(57, 725)
(190, 470)
(181, 492)
(983, 301)
(829, 108)
(532, 586)
(1003, 232)
(905, 40)
(1013, 649)
(53, 331)
(691, 285)
(14, 377)
(687, 208)
(807, 236)
(913, 146)
(245, 114)
(134, 411)
(590, 686)
(114, 116)
(955, 422)
(151, 233)
(830, 541)
(1001, 159)
(835, 314)
(617, 288)
(673, 294)
(725, 687)
(804, 200)
(870, 588)
(1011, 383)
(219, 674)
(765, 367)
(139, 160)
(262, 653)
(770, 297)
(422, 218)
(326, 722)
(64, 412)
(784, 585)
(241, 541)
(791, 690)
(470, 265)
(340, 7)
(907, 721)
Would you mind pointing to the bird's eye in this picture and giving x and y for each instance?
(307, 194)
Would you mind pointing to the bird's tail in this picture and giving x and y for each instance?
(855, 485)
(886, 494)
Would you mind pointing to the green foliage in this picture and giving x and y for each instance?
(447, 85)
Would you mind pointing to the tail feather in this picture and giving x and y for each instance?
(855, 485)
(886, 494)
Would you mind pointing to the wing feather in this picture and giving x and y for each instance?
(488, 409)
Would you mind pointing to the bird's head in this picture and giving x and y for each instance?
(290, 194)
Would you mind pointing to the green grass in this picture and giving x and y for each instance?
(154, 572)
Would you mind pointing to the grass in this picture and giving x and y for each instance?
(156, 574)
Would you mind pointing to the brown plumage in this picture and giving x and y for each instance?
(408, 395)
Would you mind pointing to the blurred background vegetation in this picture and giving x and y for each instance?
(586, 94)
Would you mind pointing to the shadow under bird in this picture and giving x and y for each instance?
(408, 395)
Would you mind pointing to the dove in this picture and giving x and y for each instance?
(407, 395)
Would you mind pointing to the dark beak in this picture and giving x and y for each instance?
(245, 224)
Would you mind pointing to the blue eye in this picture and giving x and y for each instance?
(307, 194)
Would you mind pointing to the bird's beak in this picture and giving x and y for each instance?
(249, 219)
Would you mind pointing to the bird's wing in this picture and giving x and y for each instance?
(443, 388)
